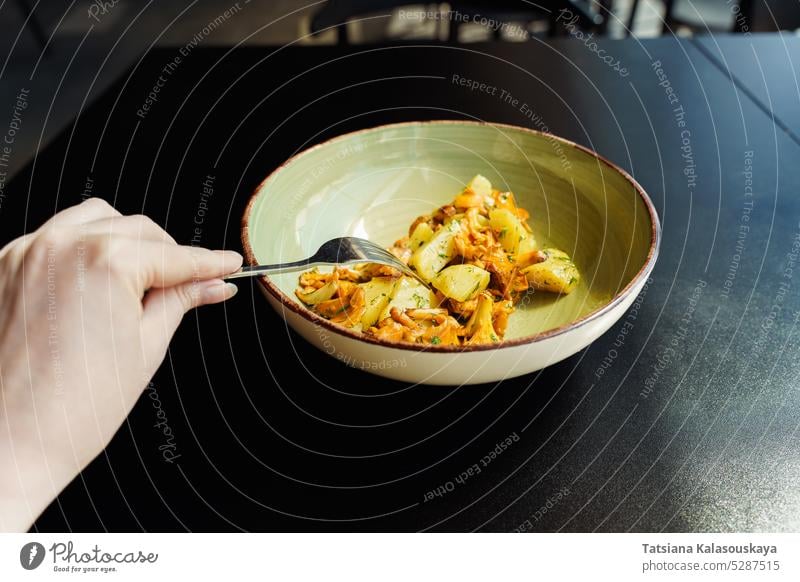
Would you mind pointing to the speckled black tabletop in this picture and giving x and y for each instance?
(687, 421)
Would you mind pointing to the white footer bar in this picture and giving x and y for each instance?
(401, 557)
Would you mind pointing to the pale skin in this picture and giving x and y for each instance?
(89, 303)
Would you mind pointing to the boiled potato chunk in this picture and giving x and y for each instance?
(422, 234)
(510, 231)
(556, 274)
(480, 186)
(527, 254)
(431, 258)
(528, 245)
(462, 282)
(377, 294)
(319, 295)
(409, 294)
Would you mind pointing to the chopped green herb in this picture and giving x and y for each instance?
(443, 255)
(436, 340)
(503, 232)
(494, 338)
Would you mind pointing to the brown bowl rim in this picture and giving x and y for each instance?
(272, 289)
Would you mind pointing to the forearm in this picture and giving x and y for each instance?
(26, 487)
(30, 476)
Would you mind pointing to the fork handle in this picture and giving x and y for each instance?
(256, 270)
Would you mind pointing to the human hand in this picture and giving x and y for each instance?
(89, 303)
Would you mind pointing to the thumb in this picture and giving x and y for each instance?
(163, 309)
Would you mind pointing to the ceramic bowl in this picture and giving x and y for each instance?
(374, 183)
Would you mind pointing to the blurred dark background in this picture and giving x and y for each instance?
(74, 50)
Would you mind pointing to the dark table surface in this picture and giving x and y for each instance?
(765, 69)
(692, 424)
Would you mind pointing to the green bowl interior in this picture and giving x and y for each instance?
(373, 184)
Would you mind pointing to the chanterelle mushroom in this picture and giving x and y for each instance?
(479, 327)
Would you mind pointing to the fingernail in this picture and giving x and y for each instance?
(230, 290)
(216, 291)
(231, 260)
(230, 255)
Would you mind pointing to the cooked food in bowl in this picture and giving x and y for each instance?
(374, 183)
(478, 253)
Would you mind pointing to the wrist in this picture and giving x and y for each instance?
(27, 485)
(31, 476)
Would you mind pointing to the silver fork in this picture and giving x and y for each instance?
(337, 251)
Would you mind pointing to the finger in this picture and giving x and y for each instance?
(136, 226)
(155, 264)
(163, 310)
(87, 211)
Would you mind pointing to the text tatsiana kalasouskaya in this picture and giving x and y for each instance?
(712, 548)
